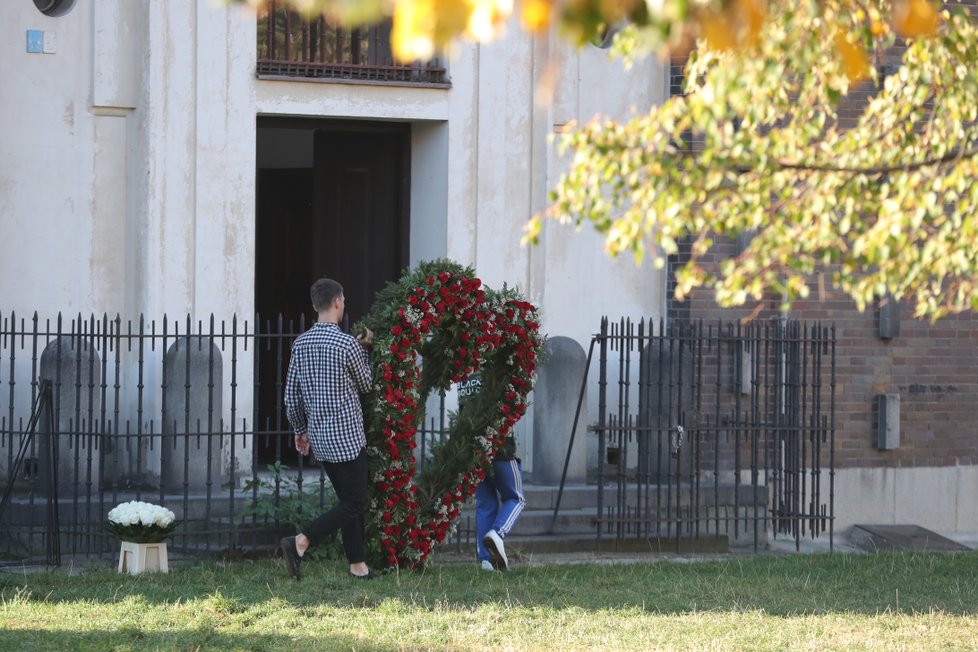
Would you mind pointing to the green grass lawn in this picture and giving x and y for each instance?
(920, 601)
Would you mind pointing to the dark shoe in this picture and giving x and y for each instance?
(292, 557)
(369, 576)
(497, 551)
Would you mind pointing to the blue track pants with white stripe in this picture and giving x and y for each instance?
(498, 502)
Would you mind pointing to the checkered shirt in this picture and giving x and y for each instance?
(327, 370)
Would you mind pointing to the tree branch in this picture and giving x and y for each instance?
(954, 155)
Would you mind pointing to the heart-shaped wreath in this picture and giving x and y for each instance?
(438, 325)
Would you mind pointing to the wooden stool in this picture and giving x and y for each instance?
(143, 557)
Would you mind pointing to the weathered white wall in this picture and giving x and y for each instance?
(940, 499)
(583, 283)
(130, 156)
(123, 159)
(505, 163)
(47, 165)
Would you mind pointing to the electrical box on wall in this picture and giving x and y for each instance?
(889, 317)
(49, 43)
(887, 421)
(35, 41)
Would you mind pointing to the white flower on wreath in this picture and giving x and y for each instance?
(413, 315)
(484, 444)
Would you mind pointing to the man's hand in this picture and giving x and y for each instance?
(366, 338)
(302, 443)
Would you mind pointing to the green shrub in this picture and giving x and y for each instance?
(279, 502)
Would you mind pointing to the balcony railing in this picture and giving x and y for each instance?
(291, 45)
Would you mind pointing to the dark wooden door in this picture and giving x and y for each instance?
(360, 212)
(346, 217)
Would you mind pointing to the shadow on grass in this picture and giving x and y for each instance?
(30, 640)
(790, 585)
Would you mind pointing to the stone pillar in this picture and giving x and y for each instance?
(73, 367)
(555, 399)
(192, 394)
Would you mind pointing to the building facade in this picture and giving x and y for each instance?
(150, 168)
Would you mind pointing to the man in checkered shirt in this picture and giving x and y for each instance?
(327, 372)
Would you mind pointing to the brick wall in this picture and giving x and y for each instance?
(933, 367)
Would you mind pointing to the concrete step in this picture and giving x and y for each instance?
(578, 505)
(726, 519)
(586, 495)
(901, 537)
(576, 518)
(529, 545)
(521, 549)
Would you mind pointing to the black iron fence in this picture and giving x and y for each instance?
(717, 430)
(703, 431)
(183, 413)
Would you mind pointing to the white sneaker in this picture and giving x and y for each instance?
(497, 551)
(487, 565)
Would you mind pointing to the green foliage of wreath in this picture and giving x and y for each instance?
(436, 326)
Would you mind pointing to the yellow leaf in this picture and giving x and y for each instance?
(307, 8)
(423, 27)
(451, 19)
(535, 15)
(613, 11)
(485, 19)
(855, 61)
(718, 32)
(412, 33)
(913, 18)
(752, 15)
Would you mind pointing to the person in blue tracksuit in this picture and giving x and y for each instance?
(499, 498)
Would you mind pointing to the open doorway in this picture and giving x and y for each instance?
(332, 200)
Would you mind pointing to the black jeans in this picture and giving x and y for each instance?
(350, 483)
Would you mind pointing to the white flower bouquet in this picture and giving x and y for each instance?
(141, 522)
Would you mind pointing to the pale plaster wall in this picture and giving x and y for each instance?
(941, 499)
(131, 152)
(938, 498)
(501, 136)
(47, 166)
